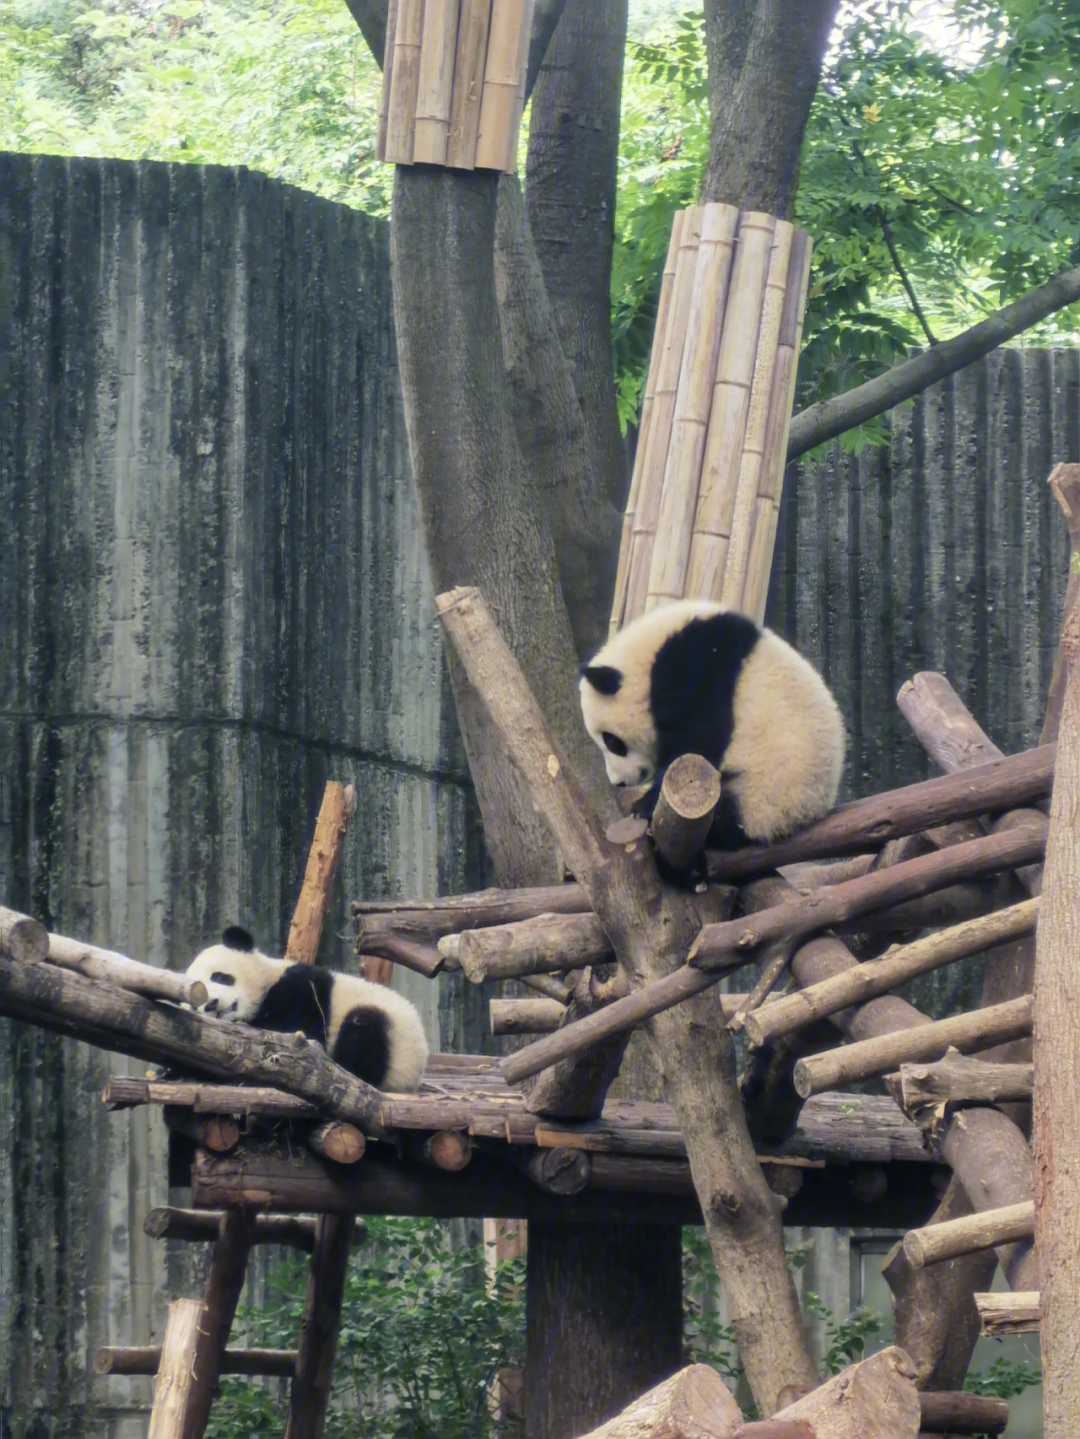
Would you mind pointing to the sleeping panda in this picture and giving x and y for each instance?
(695, 678)
(366, 1028)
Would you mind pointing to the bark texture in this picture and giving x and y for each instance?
(1057, 1081)
(764, 64)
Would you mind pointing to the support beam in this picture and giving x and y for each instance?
(319, 1324)
(985, 1230)
(1016, 1313)
(957, 1079)
(146, 1359)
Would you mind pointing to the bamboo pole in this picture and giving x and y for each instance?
(730, 404)
(507, 54)
(469, 61)
(794, 1011)
(853, 1062)
(654, 461)
(736, 571)
(435, 87)
(659, 339)
(936, 1242)
(697, 375)
(404, 79)
(387, 79)
(774, 455)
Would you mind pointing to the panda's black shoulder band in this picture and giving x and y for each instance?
(236, 937)
(605, 679)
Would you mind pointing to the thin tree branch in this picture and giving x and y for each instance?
(894, 255)
(829, 418)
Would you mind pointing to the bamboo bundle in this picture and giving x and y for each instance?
(454, 82)
(701, 519)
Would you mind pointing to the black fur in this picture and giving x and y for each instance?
(605, 679)
(363, 1045)
(236, 937)
(299, 1000)
(692, 699)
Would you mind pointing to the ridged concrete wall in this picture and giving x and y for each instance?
(212, 599)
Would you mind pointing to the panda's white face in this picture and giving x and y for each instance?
(625, 766)
(234, 985)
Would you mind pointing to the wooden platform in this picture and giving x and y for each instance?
(852, 1160)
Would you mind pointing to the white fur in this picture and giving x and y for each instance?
(255, 974)
(784, 761)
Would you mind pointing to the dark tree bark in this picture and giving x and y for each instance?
(764, 63)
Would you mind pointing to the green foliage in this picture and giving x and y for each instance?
(846, 1340)
(422, 1335)
(705, 1339)
(284, 86)
(1004, 1379)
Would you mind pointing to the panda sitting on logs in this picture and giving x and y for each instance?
(366, 1028)
(696, 678)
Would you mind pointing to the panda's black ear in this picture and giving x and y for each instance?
(605, 679)
(235, 937)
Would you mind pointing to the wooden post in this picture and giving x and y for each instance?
(319, 1327)
(1055, 1139)
(937, 1242)
(176, 1378)
(1065, 482)
(324, 856)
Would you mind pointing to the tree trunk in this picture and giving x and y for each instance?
(764, 64)
(482, 518)
(1057, 1078)
(608, 1292)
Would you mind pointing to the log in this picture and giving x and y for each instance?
(986, 1230)
(955, 904)
(684, 811)
(300, 1183)
(960, 1413)
(722, 947)
(25, 939)
(695, 1403)
(558, 1171)
(145, 1359)
(802, 1007)
(200, 1225)
(957, 1079)
(324, 859)
(839, 1067)
(176, 1375)
(1064, 482)
(449, 1149)
(426, 921)
(336, 1140)
(313, 1374)
(725, 946)
(525, 1016)
(550, 987)
(420, 958)
(544, 945)
(1057, 1073)
(216, 1132)
(1015, 1313)
(120, 1092)
(998, 783)
(114, 1019)
(992, 1160)
(650, 929)
(876, 1399)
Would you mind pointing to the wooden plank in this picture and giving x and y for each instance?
(435, 87)
(469, 62)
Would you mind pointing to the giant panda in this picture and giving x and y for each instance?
(366, 1028)
(695, 678)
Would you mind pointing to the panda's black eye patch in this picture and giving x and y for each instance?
(615, 744)
(219, 977)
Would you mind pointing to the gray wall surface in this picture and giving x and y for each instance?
(213, 598)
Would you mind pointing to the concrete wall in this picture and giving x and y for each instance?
(213, 598)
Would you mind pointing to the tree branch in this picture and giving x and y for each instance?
(829, 418)
(894, 255)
